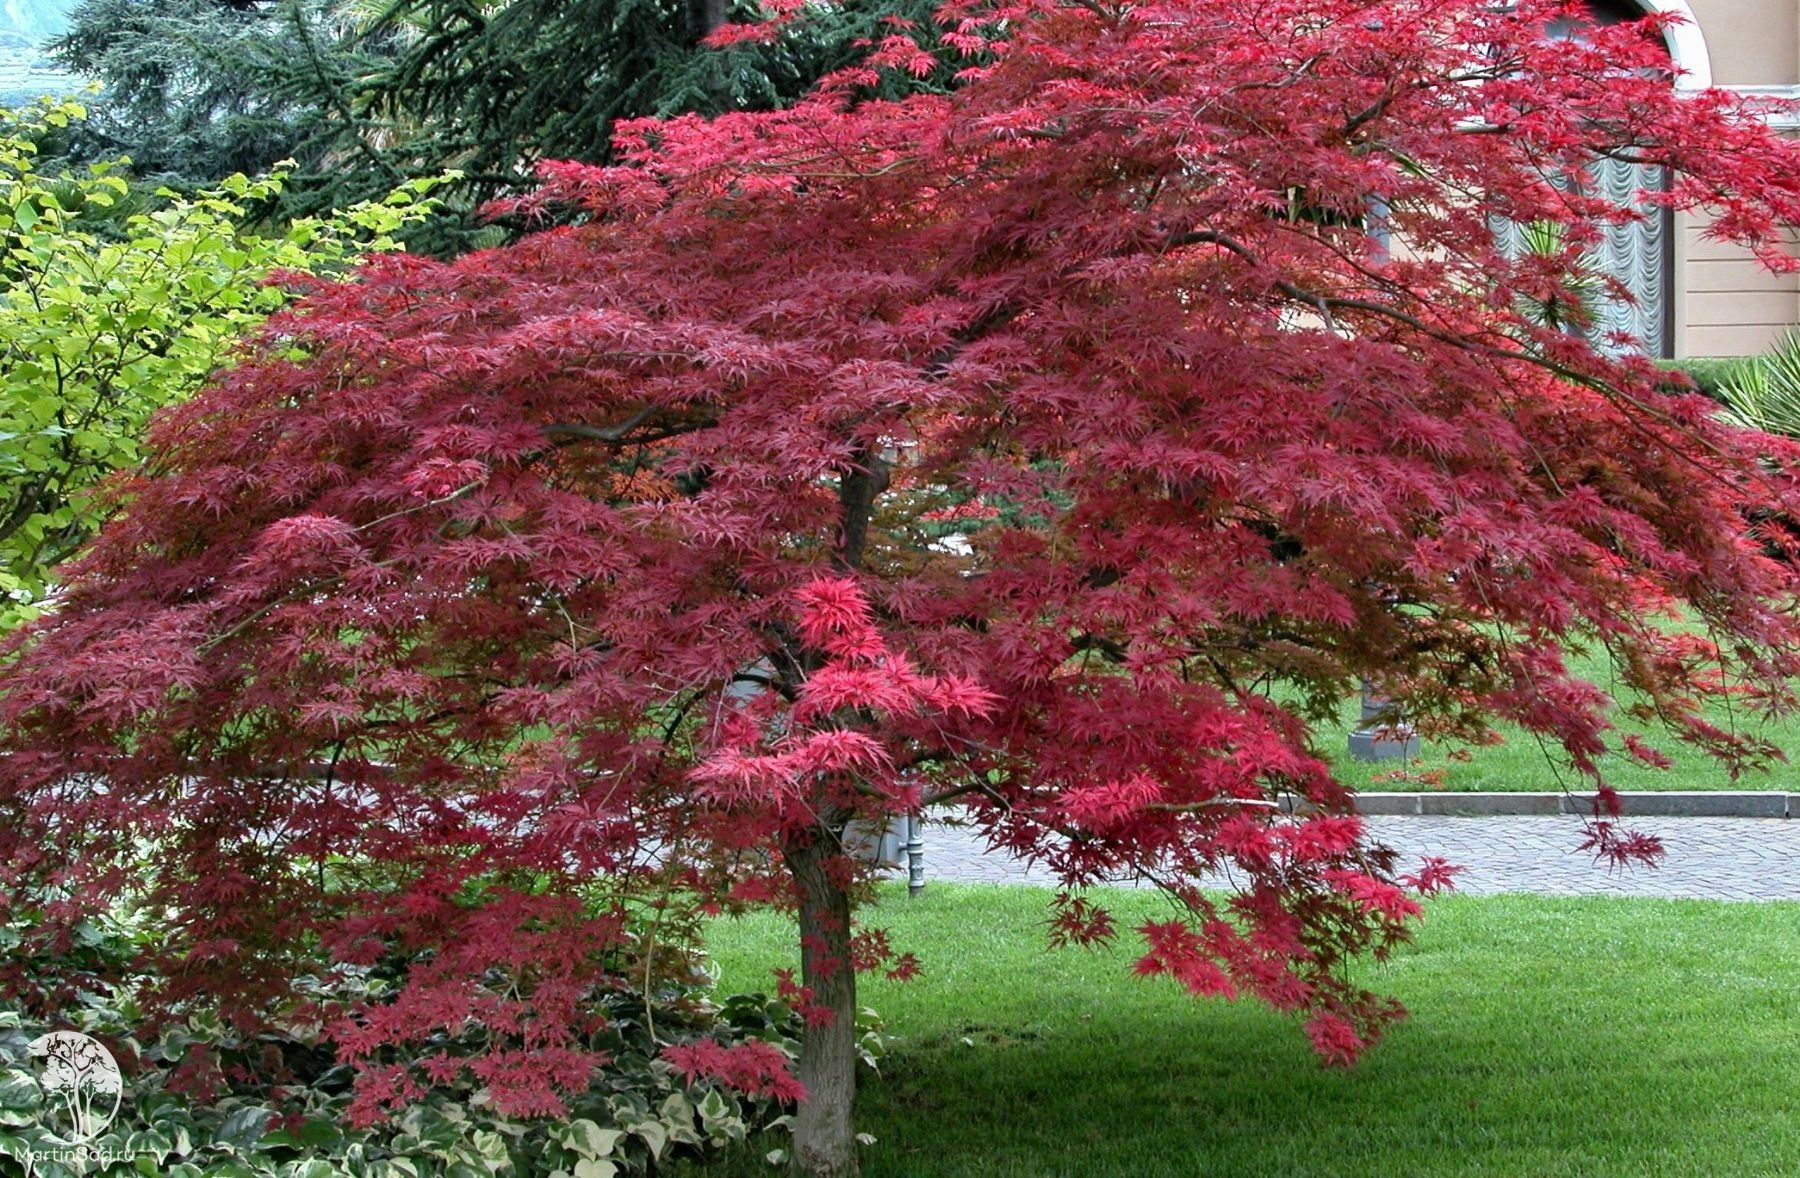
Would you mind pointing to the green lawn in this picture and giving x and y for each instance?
(1519, 763)
(1548, 1037)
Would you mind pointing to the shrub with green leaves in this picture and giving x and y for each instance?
(104, 320)
(202, 1100)
(1710, 375)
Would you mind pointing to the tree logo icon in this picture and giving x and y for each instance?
(81, 1085)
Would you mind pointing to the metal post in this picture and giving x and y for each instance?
(1383, 735)
(915, 854)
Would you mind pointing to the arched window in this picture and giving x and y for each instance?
(1612, 12)
(1640, 254)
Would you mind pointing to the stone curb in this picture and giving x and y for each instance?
(1673, 804)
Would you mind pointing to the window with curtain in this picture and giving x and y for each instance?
(1641, 254)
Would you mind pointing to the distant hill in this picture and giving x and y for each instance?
(29, 23)
(25, 74)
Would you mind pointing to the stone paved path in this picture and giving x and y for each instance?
(1715, 858)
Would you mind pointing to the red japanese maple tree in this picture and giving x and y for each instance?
(1060, 448)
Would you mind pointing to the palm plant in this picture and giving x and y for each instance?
(1765, 394)
(1575, 304)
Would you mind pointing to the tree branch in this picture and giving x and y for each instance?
(608, 433)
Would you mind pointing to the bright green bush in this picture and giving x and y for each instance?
(104, 321)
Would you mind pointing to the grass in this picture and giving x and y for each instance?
(1519, 763)
(1549, 1037)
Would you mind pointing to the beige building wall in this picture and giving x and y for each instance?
(1725, 303)
(1752, 42)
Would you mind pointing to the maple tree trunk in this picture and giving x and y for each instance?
(824, 1139)
(857, 491)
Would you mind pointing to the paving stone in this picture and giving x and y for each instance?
(1668, 803)
(1706, 858)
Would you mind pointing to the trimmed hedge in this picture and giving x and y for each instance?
(1712, 374)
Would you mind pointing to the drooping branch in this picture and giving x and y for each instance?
(1326, 304)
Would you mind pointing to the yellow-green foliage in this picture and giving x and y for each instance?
(105, 320)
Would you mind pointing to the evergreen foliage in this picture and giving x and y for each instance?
(196, 90)
(365, 95)
(496, 89)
